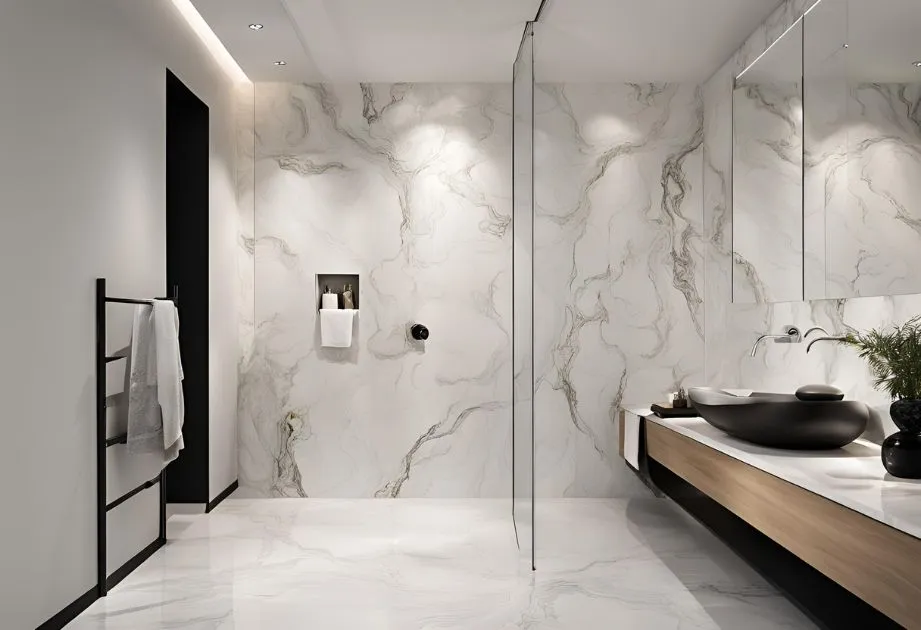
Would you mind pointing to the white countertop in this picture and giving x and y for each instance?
(852, 476)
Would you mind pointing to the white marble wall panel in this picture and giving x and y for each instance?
(407, 186)
(618, 270)
(864, 169)
(768, 192)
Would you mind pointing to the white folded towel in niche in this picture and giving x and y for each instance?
(632, 440)
(336, 327)
(156, 407)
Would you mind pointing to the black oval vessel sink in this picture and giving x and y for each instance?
(782, 420)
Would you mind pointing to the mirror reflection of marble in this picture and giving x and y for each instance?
(863, 148)
(767, 175)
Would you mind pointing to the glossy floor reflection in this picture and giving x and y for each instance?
(412, 564)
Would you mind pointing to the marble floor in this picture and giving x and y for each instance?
(413, 564)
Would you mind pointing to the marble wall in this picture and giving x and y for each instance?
(767, 167)
(619, 313)
(407, 186)
(732, 328)
(864, 180)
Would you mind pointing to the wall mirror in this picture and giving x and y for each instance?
(767, 175)
(862, 75)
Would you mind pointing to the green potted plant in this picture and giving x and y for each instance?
(894, 357)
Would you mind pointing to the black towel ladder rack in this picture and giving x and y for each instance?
(104, 581)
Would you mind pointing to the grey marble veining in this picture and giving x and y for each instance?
(618, 269)
(407, 186)
(863, 174)
(382, 565)
(767, 195)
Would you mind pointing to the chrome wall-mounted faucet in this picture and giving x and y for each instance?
(792, 335)
(816, 329)
(826, 338)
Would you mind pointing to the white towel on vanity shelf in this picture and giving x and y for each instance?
(336, 327)
(632, 439)
(156, 408)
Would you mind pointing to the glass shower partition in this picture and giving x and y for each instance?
(523, 296)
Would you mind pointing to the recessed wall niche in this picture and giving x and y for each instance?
(337, 283)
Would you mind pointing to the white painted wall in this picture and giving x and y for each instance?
(82, 194)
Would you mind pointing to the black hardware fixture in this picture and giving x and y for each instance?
(103, 581)
(419, 332)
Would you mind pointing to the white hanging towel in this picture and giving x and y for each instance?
(155, 405)
(169, 377)
(336, 327)
(632, 440)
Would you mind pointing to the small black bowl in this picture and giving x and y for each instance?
(819, 392)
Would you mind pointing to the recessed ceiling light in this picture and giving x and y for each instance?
(256, 27)
(847, 45)
(917, 64)
(281, 63)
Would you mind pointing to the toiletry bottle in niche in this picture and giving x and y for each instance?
(348, 298)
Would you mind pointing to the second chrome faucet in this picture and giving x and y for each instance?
(825, 338)
(792, 334)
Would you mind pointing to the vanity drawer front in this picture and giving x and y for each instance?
(876, 562)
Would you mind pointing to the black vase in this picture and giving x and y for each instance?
(902, 451)
(906, 414)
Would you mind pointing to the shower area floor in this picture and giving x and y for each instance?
(410, 564)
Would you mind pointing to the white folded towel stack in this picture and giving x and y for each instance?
(336, 327)
(156, 408)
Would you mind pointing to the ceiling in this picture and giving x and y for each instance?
(781, 63)
(863, 41)
(643, 40)
(477, 40)
(882, 39)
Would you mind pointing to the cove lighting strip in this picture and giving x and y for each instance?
(211, 41)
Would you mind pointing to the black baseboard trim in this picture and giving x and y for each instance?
(83, 602)
(122, 572)
(226, 493)
(71, 611)
(824, 601)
